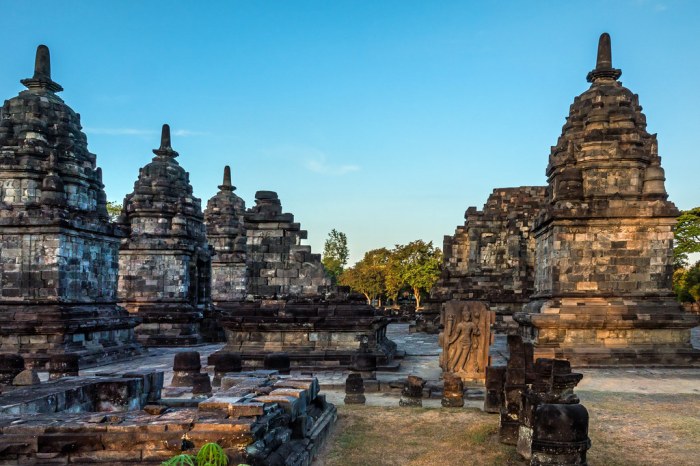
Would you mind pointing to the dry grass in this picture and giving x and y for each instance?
(626, 429)
(632, 429)
(368, 435)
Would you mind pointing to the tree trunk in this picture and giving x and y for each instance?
(416, 294)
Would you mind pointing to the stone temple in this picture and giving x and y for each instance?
(165, 262)
(58, 251)
(491, 257)
(604, 239)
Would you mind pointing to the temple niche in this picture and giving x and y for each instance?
(59, 252)
(465, 339)
(491, 258)
(604, 240)
(165, 262)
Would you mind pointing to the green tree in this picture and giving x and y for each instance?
(114, 210)
(686, 284)
(687, 239)
(335, 253)
(368, 276)
(416, 265)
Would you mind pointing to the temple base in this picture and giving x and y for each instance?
(167, 324)
(315, 336)
(98, 334)
(607, 332)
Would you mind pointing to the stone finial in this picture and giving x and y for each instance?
(42, 72)
(226, 185)
(165, 147)
(603, 68)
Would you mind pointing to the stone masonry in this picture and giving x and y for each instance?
(58, 251)
(165, 263)
(227, 236)
(278, 264)
(491, 257)
(604, 240)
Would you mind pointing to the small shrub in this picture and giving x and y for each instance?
(180, 460)
(211, 454)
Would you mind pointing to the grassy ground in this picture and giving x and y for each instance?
(626, 430)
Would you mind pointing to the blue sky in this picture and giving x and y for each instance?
(383, 119)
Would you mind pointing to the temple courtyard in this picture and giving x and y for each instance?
(638, 416)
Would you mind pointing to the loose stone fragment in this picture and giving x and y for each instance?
(453, 391)
(224, 362)
(354, 389)
(26, 377)
(186, 365)
(412, 393)
(560, 435)
(201, 384)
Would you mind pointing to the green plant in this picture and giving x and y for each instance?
(211, 454)
(180, 460)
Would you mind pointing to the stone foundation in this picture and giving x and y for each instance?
(315, 335)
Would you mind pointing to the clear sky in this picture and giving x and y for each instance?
(382, 119)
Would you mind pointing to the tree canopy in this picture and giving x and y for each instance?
(686, 284)
(114, 210)
(368, 276)
(687, 239)
(335, 253)
(414, 266)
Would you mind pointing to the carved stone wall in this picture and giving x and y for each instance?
(492, 256)
(58, 251)
(466, 339)
(604, 241)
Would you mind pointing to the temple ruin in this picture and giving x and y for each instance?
(59, 252)
(605, 237)
(491, 257)
(165, 262)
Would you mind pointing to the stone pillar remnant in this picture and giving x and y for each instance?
(412, 393)
(453, 391)
(495, 381)
(354, 389)
(186, 365)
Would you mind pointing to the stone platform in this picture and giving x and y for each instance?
(317, 335)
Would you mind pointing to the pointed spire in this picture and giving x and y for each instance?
(42, 72)
(165, 147)
(226, 185)
(603, 68)
(604, 52)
